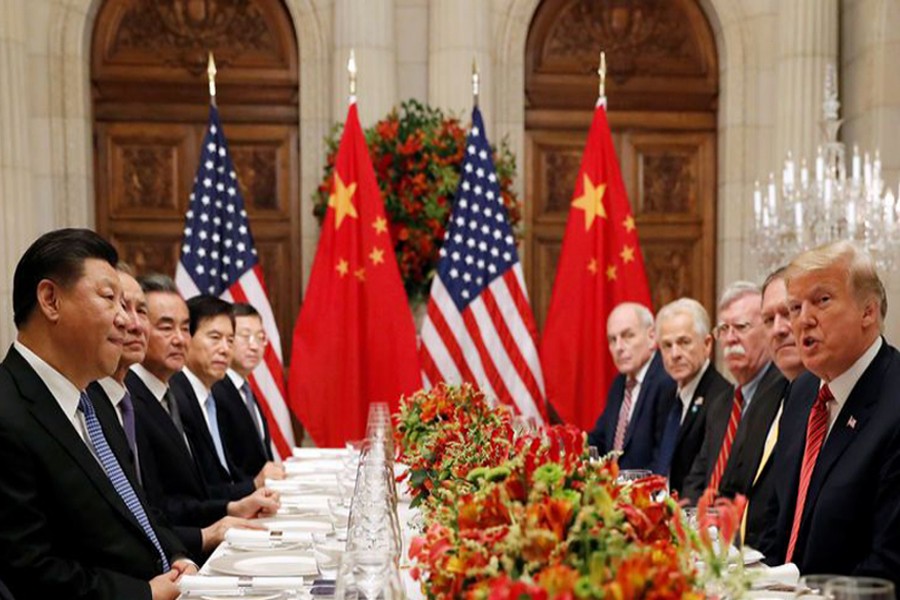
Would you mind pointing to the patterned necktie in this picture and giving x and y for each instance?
(816, 428)
(725, 451)
(214, 430)
(624, 415)
(116, 475)
(250, 401)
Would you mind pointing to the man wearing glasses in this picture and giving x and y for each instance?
(242, 423)
(736, 431)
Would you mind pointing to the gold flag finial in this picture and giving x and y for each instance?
(602, 73)
(476, 81)
(351, 69)
(211, 71)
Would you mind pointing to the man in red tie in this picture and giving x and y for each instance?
(736, 430)
(837, 501)
(641, 397)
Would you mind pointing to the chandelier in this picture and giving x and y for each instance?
(830, 204)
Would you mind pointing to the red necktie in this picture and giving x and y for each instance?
(733, 421)
(816, 428)
(624, 415)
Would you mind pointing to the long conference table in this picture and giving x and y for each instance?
(279, 563)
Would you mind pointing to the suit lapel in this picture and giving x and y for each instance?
(192, 417)
(860, 405)
(155, 411)
(47, 412)
(648, 386)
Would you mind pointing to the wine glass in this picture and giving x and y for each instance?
(630, 475)
(367, 575)
(812, 587)
(859, 588)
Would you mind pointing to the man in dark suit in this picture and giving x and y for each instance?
(685, 343)
(208, 358)
(836, 507)
(173, 481)
(73, 522)
(640, 398)
(758, 484)
(736, 430)
(242, 424)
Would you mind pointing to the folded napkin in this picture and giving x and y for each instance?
(254, 536)
(203, 583)
(314, 466)
(311, 453)
(787, 574)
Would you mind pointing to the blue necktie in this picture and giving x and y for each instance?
(214, 430)
(116, 475)
(250, 401)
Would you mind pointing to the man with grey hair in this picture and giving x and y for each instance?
(640, 398)
(736, 431)
(836, 507)
(685, 343)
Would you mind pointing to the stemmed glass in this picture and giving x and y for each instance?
(859, 588)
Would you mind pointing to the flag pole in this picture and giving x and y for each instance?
(211, 72)
(475, 82)
(351, 70)
(601, 72)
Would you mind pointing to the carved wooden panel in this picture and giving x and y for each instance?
(148, 254)
(651, 46)
(265, 166)
(662, 90)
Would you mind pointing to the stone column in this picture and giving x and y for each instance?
(808, 37)
(460, 31)
(16, 223)
(366, 26)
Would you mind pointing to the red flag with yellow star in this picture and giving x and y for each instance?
(355, 341)
(600, 266)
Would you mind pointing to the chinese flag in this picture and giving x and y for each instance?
(354, 342)
(600, 266)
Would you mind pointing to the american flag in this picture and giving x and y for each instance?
(479, 327)
(218, 258)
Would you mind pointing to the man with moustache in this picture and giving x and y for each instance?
(208, 358)
(640, 398)
(73, 523)
(736, 431)
(245, 433)
(115, 407)
(685, 343)
(836, 507)
(756, 476)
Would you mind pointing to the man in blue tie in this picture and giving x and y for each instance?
(73, 523)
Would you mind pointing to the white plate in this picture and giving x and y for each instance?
(267, 546)
(309, 525)
(266, 564)
(247, 595)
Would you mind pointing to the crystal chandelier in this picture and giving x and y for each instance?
(831, 205)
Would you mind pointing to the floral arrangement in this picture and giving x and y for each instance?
(539, 520)
(417, 153)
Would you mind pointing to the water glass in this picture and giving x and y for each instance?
(327, 551)
(859, 588)
(367, 575)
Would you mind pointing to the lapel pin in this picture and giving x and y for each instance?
(851, 422)
(699, 401)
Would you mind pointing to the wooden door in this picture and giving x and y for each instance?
(151, 104)
(662, 88)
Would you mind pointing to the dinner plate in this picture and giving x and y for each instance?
(266, 564)
(245, 594)
(267, 546)
(309, 525)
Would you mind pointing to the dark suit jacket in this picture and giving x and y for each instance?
(748, 442)
(683, 440)
(64, 531)
(170, 475)
(242, 444)
(230, 484)
(644, 434)
(851, 518)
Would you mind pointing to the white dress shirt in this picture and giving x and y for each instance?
(843, 384)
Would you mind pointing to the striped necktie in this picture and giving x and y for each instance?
(115, 474)
(816, 428)
(624, 415)
(728, 441)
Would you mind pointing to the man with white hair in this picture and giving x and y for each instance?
(640, 398)
(685, 343)
(736, 431)
(837, 462)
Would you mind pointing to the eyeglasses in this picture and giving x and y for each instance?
(739, 329)
(260, 338)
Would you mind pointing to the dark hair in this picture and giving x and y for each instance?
(242, 309)
(205, 307)
(58, 255)
(772, 277)
(157, 282)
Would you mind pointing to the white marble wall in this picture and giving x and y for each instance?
(770, 55)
